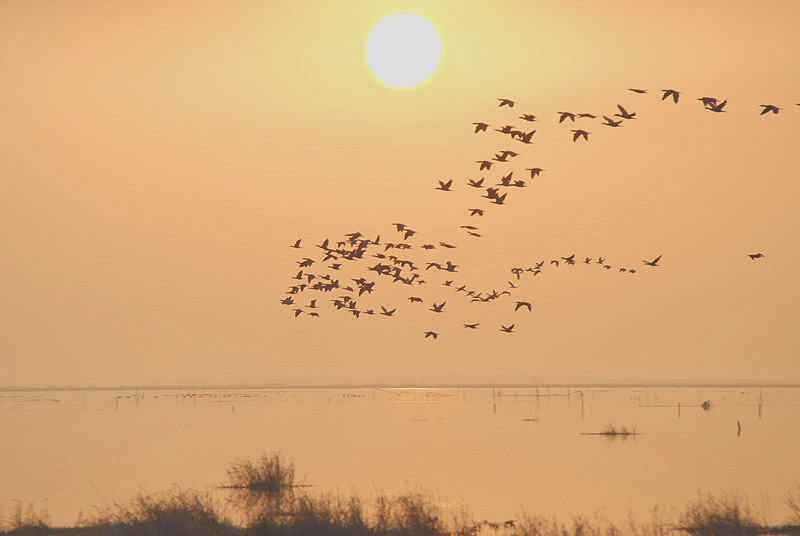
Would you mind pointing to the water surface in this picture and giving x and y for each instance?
(497, 451)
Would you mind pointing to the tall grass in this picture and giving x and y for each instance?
(287, 512)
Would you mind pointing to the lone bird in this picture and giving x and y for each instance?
(415, 299)
(431, 334)
(507, 329)
(445, 186)
(769, 108)
(475, 212)
(387, 312)
(438, 308)
(654, 262)
(535, 171)
(507, 102)
(578, 133)
(485, 164)
(755, 256)
(472, 326)
(635, 90)
(480, 126)
(296, 245)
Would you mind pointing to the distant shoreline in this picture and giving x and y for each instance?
(478, 385)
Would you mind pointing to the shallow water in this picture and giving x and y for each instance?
(498, 452)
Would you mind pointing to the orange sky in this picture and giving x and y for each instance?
(159, 159)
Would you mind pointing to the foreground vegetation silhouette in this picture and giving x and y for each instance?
(264, 499)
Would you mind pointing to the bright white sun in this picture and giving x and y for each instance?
(403, 50)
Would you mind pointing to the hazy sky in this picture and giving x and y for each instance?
(158, 160)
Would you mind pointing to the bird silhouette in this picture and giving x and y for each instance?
(623, 113)
(635, 90)
(654, 262)
(708, 101)
(485, 164)
(522, 304)
(387, 312)
(296, 245)
(507, 329)
(717, 107)
(431, 334)
(528, 117)
(476, 184)
(480, 127)
(445, 186)
(507, 102)
(475, 211)
(755, 256)
(671, 93)
(438, 308)
(535, 171)
(413, 299)
(769, 108)
(499, 199)
(472, 326)
(566, 115)
(610, 122)
(578, 133)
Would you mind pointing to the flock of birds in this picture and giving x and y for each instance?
(398, 260)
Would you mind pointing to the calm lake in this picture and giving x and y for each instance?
(496, 451)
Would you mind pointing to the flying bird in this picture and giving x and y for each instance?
(522, 304)
(769, 108)
(485, 164)
(507, 102)
(610, 122)
(535, 171)
(654, 262)
(445, 186)
(755, 256)
(708, 101)
(476, 184)
(566, 115)
(528, 117)
(296, 245)
(635, 90)
(507, 329)
(623, 113)
(472, 326)
(718, 107)
(578, 133)
(480, 126)
(387, 312)
(671, 93)
(415, 299)
(438, 308)
(475, 212)
(431, 334)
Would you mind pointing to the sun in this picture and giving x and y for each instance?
(403, 50)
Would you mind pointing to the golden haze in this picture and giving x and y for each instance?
(159, 159)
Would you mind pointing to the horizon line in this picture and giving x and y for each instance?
(617, 383)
